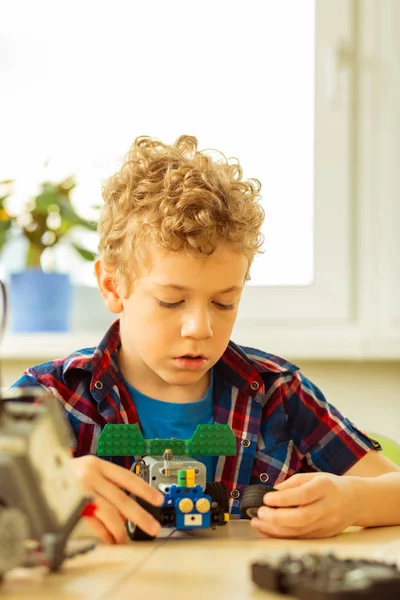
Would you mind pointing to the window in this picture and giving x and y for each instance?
(304, 93)
(241, 80)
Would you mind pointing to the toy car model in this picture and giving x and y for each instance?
(166, 464)
(40, 499)
(327, 577)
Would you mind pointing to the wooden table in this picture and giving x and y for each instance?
(202, 565)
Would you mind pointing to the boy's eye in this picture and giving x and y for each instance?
(225, 306)
(176, 304)
(170, 304)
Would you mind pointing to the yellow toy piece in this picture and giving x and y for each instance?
(203, 505)
(190, 478)
(186, 505)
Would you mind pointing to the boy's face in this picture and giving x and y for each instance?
(179, 307)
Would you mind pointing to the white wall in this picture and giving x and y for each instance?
(367, 392)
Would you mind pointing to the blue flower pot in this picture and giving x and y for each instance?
(40, 301)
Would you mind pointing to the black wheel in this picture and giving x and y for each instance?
(252, 499)
(137, 534)
(219, 494)
(134, 532)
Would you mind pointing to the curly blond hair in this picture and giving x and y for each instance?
(179, 198)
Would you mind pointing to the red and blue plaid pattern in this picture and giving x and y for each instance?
(282, 422)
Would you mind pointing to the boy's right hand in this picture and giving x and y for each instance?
(105, 483)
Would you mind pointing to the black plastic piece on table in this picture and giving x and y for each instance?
(327, 577)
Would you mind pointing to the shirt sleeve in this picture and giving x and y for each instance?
(83, 418)
(325, 439)
(27, 380)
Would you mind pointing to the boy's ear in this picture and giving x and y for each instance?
(107, 287)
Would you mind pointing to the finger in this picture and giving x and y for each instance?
(290, 533)
(320, 533)
(127, 480)
(99, 529)
(112, 520)
(297, 480)
(274, 531)
(125, 505)
(297, 518)
(300, 495)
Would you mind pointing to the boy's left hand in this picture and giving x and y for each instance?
(308, 505)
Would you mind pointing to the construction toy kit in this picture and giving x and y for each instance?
(190, 502)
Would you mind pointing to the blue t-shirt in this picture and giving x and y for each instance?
(175, 420)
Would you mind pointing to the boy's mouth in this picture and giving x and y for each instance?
(191, 361)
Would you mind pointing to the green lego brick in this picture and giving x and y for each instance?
(182, 478)
(127, 440)
(157, 447)
(213, 440)
(121, 440)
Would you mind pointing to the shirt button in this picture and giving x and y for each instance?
(264, 477)
(245, 443)
(235, 493)
(98, 385)
(254, 385)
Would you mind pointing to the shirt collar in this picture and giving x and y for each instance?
(238, 365)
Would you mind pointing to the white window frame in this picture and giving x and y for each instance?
(352, 309)
(292, 312)
(379, 179)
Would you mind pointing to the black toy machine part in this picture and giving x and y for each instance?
(327, 577)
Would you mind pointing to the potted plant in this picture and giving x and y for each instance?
(41, 300)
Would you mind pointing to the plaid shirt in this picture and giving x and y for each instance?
(282, 422)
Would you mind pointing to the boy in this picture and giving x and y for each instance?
(178, 235)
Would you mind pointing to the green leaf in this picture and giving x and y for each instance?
(71, 218)
(67, 185)
(86, 254)
(47, 197)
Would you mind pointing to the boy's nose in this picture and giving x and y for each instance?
(197, 326)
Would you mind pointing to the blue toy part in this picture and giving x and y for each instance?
(188, 518)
